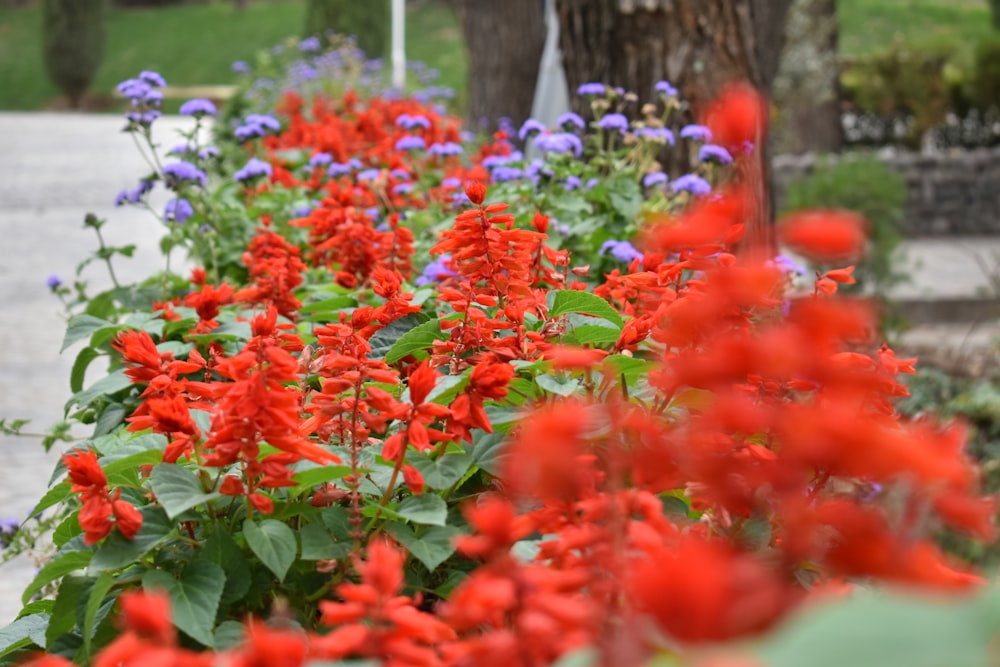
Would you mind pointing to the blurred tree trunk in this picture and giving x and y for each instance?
(240, 5)
(807, 88)
(504, 42)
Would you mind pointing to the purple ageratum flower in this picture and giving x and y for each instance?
(712, 152)
(788, 265)
(664, 88)
(302, 211)
(208, 152)
(570, 118)
(613, 121)
(254, 168)
(257, 125)
(410, 143)
(338, 169)
(592, 89)
(591, 183)
(53, 282)
(152, 78)
(696, 133)
(181, 149)
(369, 174)
(451, 182)
(240, 67)
(320, 159)
(436, 271)
(692, 183)
(559, 142)
(401, 174)
(177, 173)
(657, 134)
(447, 148)
(310, 45)
(8, 530)
(654, 178)
(529, 127)
(503, 173)
(143, 117)
(402, 188)
(572, 182)
(177, 210)
(623, 251)
(198, 107)
(408, 122)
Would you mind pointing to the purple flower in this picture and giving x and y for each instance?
(197, 107)
(591, 183)
(436, 271)
(654, 178)
(559, 142)
(257, 125)
(504, 173)
(302, 211)
(208, 152)
(623, 251)
(451, 182)
(53, 282)
(402, 188)
(408, 122)
(338, 169)
(8, 529)
(176, 173)
(572, 182)
(240, 67)
(658, 134)
(788, 265)
(592, 89)
(254, 168)
(152, 78)
(665, 88)
(401, 174)
(310, 45)
(613, 121)
(320, 159)
(410, 143)
(529, 127)
(181, 149)
(369, 174)
(177, 210)
(692, 183)
(570, 118)
(712, 152)
(447, 148)
(696, 133)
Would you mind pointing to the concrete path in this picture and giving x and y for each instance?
(54, 168)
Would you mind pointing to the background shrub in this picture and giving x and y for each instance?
(73, 39)
(367, 21)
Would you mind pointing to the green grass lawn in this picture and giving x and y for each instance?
(196, 44)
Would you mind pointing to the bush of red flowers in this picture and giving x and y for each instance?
(398, 413)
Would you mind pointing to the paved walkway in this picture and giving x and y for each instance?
(56, 167)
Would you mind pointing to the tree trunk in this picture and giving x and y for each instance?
(504, 42)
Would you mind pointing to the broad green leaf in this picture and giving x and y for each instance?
(194, 597)
(447, 388)
(175, 347)
(332, 304)
(229, 634)
(94, 602)
(558, 386)
(574, 301)
(231, 331)
(592, 334)
(221, 549)
(177, 489)
(79, 372)
(58, 567)
(432, 548)
(387, 337)
(118, 551)
(82, 326)
(110, 384)
(63, 618)
(320, 475)
(318, 543)
(487, 451)
(53, 496)
(440, 473)
(273, 542)
(23, 632)
(418, 338)
(124, 471)
(67, 529)
(630, 367)
(427, 509)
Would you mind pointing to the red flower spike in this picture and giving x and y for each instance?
(738, 117)
(147, 613)
(824, 235)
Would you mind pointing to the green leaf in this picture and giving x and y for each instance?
(79, 372)
(123, 470)
(333, 304)
(177, 489)
(194, 598)
(59, 566)
(318, 543)
(418, 338)
(22, 632)
(574, 301)
(440, 473)
(118, 551)
(67, 529)
(95, 599)
(558, 386)
(319, 475)
(82, 326)
(590, 334)
(432, 548)
(63, 618)
(427, 509)
(630, 367)
(229, 634)
(110, 384)
(221, 549)
(487, 450)
(273, 542)
(53, 496)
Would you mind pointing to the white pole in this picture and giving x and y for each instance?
(398, 44)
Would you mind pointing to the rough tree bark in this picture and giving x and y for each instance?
(504, 42)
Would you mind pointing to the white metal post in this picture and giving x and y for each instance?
(398, 44)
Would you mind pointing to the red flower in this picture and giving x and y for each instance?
(824, 235)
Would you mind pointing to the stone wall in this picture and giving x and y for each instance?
(949, 194)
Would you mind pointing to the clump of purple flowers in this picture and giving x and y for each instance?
(408, 122)
(177, 173)
(692, 183)
(696, 133)
(254, 168)
(177, 210)
(144, 98)
(53, 282)
(198, 107)
(436, 271)
(559, 142)
(623, 251)
(613, 121)
(712, 152)
(257, 125)
(8, 530)
(447, 148)
(410, 143)
(134, 196)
